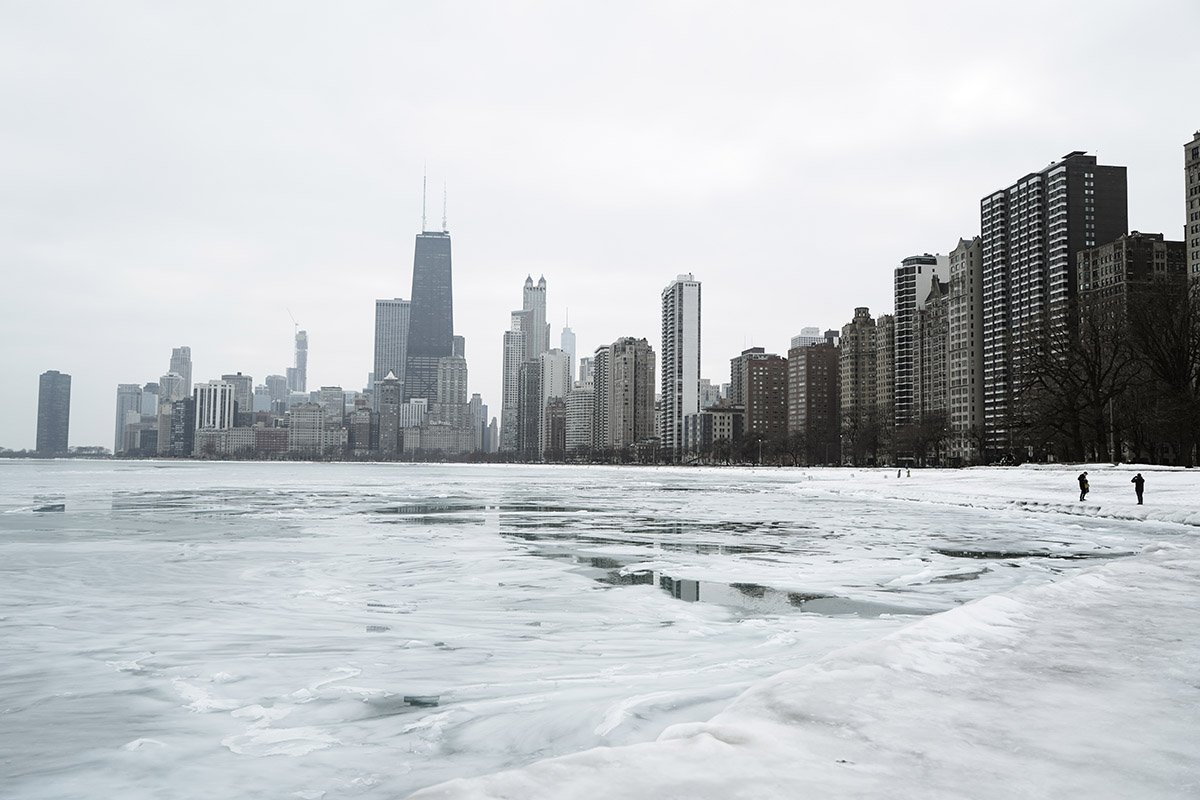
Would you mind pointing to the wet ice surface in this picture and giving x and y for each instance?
(189, 630)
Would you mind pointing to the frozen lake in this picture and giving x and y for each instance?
(337, 630)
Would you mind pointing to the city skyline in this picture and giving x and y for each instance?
(153, 208)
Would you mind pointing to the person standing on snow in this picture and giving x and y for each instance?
(1139, 485)
(1083, 486)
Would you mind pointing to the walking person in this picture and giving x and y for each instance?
(1083, 486)
(1139, 485)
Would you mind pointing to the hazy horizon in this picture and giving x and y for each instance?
(200, 175)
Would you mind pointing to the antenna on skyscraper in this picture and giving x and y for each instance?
(444, 228)
(424, 184)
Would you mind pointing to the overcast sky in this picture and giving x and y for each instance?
(188, 173)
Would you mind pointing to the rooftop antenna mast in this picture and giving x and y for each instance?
(444, 228)
(424, 185)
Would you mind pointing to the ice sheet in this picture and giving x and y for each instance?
(187, 630)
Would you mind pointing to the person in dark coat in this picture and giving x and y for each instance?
(1083, 486)
(1139, 485)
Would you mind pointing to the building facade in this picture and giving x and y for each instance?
(964, 356)
(391, 342)
(1030, 235)
(54, 413)
(912, 282)
(679, 390)
(630, 393)
(814, 400)
(431, 315)
(1191, 185)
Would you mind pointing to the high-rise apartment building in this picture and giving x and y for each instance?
(1111, 274)
(912, 281)
(1191, 227)
(1031, 233)
(510, 390)
(814, 399)
(680, 372)
(580, 406)
(214, 405)
(181, 364)
(54, 413)
(933, 337)
(391, 341)
(737, 373)
(630, 392)
(885, 373)
(765, 397)
(964, 356)
(431, 315)
(555, 386)
(600, 375)
(529, 410)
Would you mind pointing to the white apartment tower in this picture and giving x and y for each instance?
(214, 405)
(679, 393)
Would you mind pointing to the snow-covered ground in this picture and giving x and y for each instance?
(320, 631)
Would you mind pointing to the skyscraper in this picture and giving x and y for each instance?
(54, 413)
(297, 376)
(129, 411)
(181, 364)
(912, 281)
(214, 405)
(391, 342)
(431, 315)
(965, 356)
(567, 343)
(537, 330)
(1031, 234)
(630, 392)
(510, 399)
(555, 386)
(680, 374)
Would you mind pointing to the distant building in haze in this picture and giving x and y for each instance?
(567, 343)
(129, 412)
(181, 364)
(391, 342)
(54, 413)
(297, 376)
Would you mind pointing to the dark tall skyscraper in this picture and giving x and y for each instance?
(54, 413)
(1031, 234)
(431, 315)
